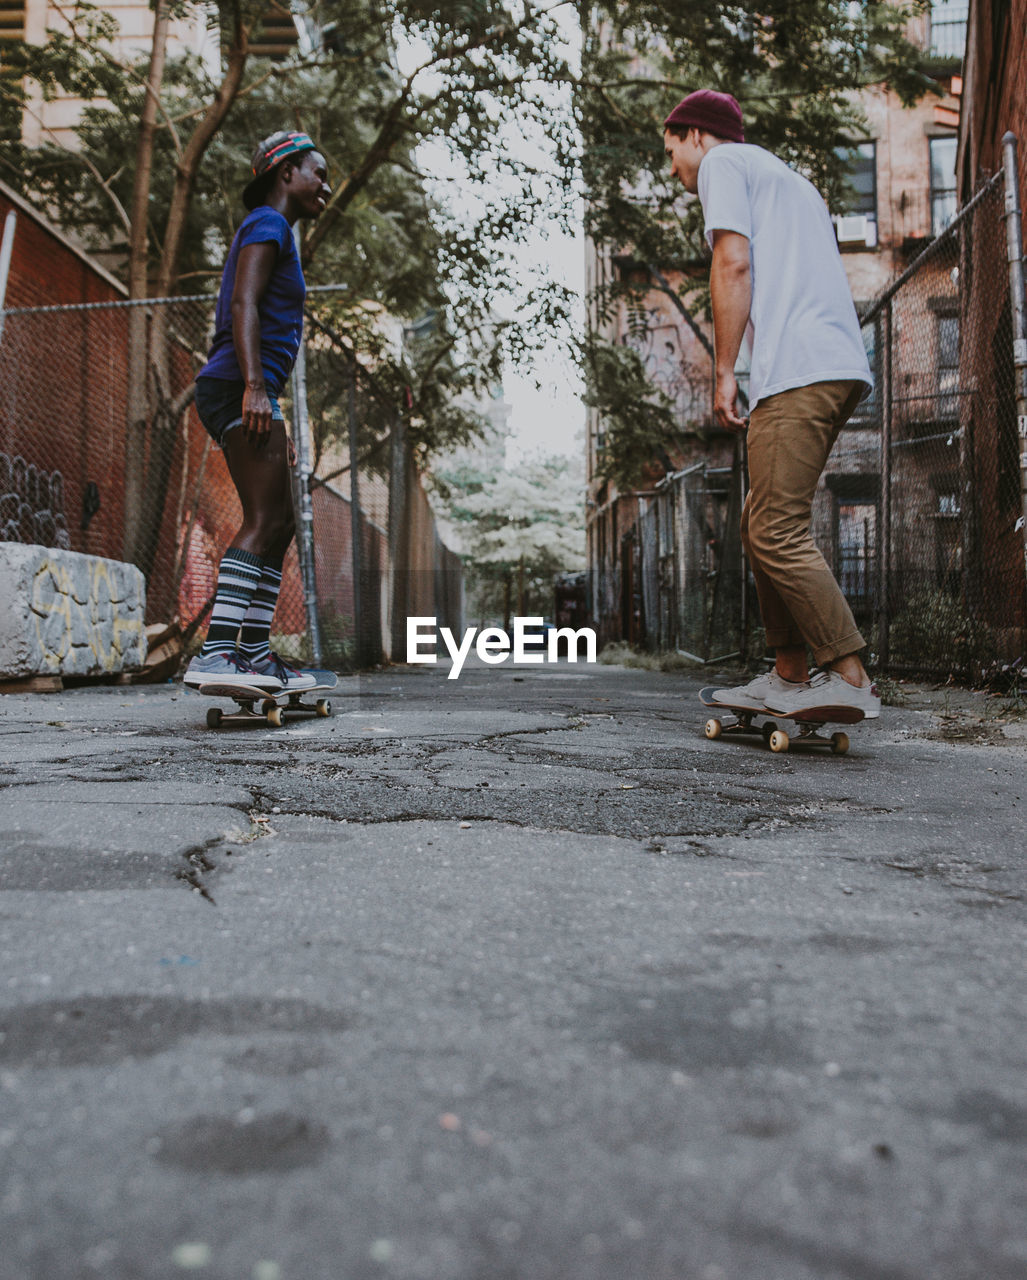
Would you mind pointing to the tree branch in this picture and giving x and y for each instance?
(119, 208)
(124, 68)
(392, 126)
(188, 165)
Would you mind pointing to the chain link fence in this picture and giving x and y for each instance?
(101, 452)
(690, 563)
(920, 502)
(918, 511)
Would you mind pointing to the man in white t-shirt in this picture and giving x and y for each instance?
(777, 275)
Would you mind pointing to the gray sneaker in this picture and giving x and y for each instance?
(754, 695)
(291, 679)
(228, 668)
(829, 693)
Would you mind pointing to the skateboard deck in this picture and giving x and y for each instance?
(807, 722)
(274, 705)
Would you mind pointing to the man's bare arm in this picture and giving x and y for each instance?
(731, 292)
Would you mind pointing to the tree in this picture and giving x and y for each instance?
(78, 60)
(519, 527)
(376, 80)
(796, 67)
(468, 71)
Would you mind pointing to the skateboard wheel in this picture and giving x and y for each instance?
(213, 717)
(267, 704)
(713, 729)
(323, 707)
(839, 743)
(274, 716)
(778, 740)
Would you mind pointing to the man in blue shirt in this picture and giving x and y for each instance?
(258, 328)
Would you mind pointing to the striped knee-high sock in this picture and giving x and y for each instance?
(238, 577)
(256, 625)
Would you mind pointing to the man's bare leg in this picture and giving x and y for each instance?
(790, 663)
(851, 670)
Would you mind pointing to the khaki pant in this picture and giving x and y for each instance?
(790, 437)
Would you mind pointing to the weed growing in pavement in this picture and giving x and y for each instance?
(622, 654)
(891, 691)
(1014, 704)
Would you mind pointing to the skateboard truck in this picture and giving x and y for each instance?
(775, 738)
(274, 706)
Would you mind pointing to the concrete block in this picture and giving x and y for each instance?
(69, 614)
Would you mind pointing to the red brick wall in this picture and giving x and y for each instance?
(61, 388)
(994, 91)
(994, 102)
(45, 270)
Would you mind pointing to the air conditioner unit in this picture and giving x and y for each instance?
(856, 230)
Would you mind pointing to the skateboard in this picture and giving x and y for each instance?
(274, 706)
(807, 723)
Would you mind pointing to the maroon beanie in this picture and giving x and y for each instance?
(707, 109)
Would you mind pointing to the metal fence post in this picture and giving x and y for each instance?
(304, 506)
(1018, 311)
(6, 249)
(884, 533)
(398, 558)
(356, 522)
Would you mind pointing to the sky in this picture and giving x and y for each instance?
(548, 418)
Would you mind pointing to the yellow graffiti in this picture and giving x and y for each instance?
(63, 622)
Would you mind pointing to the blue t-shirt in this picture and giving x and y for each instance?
(280, 309)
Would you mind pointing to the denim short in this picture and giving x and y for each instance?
(219, 405)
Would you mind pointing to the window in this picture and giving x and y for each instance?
(857, 225)
(12, 27)
(943, 183)
(12, 20)
(855, 563)
(948, 28)
(948, 366)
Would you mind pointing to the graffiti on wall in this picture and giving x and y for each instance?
(32, 504)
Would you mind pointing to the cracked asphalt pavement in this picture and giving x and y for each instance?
(516, 977)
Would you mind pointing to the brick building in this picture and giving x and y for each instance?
(63, 406)
(52, 119)
(994, 103)
(994, 91)
(45, 469)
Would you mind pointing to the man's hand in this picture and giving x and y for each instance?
(725, 404)
(256, 415)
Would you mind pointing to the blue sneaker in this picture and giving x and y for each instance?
(231, 669)
(291, 679)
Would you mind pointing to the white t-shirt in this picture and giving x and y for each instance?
(804, 323)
